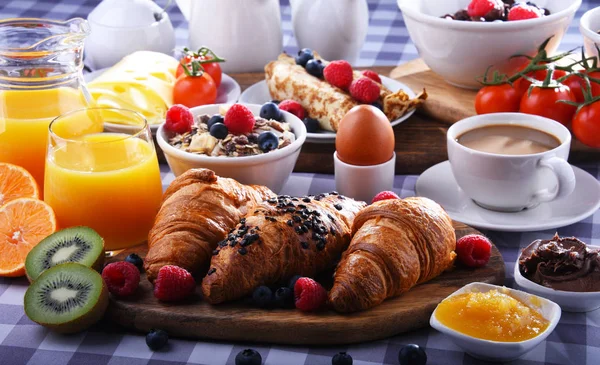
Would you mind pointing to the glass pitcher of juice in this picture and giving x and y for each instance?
(40, 78)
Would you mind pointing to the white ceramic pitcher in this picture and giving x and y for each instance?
(336, 29)
(246, 33)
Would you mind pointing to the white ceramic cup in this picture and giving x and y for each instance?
(363, 182)
(107, 45)
(511, 183)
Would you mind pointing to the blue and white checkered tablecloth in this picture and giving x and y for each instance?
(575, 341)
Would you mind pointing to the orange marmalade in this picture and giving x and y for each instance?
(491, 316)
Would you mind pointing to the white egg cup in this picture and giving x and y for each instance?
(363, 182)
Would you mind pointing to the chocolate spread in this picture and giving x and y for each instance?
(562, 264)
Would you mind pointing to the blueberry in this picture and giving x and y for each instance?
(214, 119)
(378, 105)
(412, 355)
(248, 357)
(219, 130)
(270, 110)
(292, 282)
(156, 339)
(263, 296)
(312, 125)
(304, 55)
(284, 297)
(275, 101)
(341, 359)
(136, 260)
(315, 68)
(268, 141)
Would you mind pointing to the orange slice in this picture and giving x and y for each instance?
(16, 182)
(24, 222)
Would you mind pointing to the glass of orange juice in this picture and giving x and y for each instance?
(107, 181)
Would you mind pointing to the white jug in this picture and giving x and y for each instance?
(336, 29)
(247, 33)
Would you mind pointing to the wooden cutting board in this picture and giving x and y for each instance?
(239, 321)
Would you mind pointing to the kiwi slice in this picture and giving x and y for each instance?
(77, 244)
(67, 298)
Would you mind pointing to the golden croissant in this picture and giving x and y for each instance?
(397, 244)
(198, 210)
(278, 239)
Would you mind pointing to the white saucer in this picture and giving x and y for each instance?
(228, 92)
(259, 94)
(438, 183)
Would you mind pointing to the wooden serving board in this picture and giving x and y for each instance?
(239, 321)
(421, 140)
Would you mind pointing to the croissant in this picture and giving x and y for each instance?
(397, 244)
(278, 239)
(198, 210)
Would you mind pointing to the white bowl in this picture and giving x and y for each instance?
(270, 169)
(569, 301)
(495, 350)
(461, 51)
(589, 25)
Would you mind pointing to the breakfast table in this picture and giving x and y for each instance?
(576, 339)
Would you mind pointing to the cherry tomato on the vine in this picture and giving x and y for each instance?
(502, 98)
(192, 91)
(543, 101)
(523, 84)
(586, 125)
(212, 68)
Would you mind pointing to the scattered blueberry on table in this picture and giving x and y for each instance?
(248, 357)
(156, 339)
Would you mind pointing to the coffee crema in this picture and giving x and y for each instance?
(506, 139)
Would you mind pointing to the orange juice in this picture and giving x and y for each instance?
(24, 119)
(109, 182)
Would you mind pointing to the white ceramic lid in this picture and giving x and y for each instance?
(125, 13)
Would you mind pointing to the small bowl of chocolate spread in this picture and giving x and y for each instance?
(562, 269)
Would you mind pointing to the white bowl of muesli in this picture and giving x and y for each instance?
(237, 156)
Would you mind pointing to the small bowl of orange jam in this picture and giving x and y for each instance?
(495, 323)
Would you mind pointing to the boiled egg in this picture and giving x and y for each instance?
(365, 137)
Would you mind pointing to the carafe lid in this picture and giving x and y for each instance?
(126, 13)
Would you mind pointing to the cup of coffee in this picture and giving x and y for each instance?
(511, 161)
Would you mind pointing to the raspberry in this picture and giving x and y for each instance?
(239, 119)
(173, 283)
(524, 11)
(122, 278)
(480, 8)
(339, 74)
(385, 195)
(309, 294)
(365, 90)
(473, 250)
(293, 107)
(179, 119)
(372, 75)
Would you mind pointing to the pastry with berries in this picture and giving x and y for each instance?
(279, 238)
(327, 90)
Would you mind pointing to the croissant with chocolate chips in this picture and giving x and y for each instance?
(278, 239)
(397, 244)
(198, 210)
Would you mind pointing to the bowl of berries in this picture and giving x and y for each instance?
(460, 39)
(251, 143)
